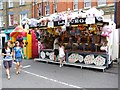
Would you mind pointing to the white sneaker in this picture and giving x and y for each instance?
(8, 77)
(64, 61)
(60, 65)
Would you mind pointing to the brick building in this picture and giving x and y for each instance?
(118, 14)
(13, 12)
(46, 7)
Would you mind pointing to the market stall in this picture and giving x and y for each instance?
(87, 38)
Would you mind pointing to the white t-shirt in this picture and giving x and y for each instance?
(61, 52)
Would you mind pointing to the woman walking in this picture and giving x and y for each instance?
(18, 57)
(61, 54)
(7, 58)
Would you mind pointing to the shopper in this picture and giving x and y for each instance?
(56, 47)
(18, 57)
(7, 58)
(61, 54)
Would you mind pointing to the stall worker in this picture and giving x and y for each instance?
(56, 47)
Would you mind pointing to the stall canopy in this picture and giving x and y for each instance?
(90, 16)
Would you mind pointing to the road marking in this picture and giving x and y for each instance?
(26, 66)
(53, 80)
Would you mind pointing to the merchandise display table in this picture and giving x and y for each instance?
(97, 60)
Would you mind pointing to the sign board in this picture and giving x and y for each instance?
(99, 19)
(42, 24)
(59, 23)
(50, 24)
(77, 21)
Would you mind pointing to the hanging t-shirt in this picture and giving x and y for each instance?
(18, 52)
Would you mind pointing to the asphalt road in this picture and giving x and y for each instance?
(44, 75)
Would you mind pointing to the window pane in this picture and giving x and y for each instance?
(1, 21)
(22, 2)
(75, 4)
(10, 3)
(39, 10)
(101, 2)
(55, 6)
(87, 3)
(22, 16)
(47, 9)
(11, 20)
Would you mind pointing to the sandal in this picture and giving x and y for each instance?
(17, 73)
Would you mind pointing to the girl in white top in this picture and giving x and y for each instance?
(61, 54)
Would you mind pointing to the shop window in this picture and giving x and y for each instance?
(10, 3)
(22, 2)
(55, 6)
(1, 5)
(101, 2)
(11, 20)
(75, 6)
(1, 21)
(87, 4)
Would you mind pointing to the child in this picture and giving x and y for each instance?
(61, 54)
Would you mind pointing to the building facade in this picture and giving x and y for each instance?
(117, 13)
(12, 13)
(47, 7)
